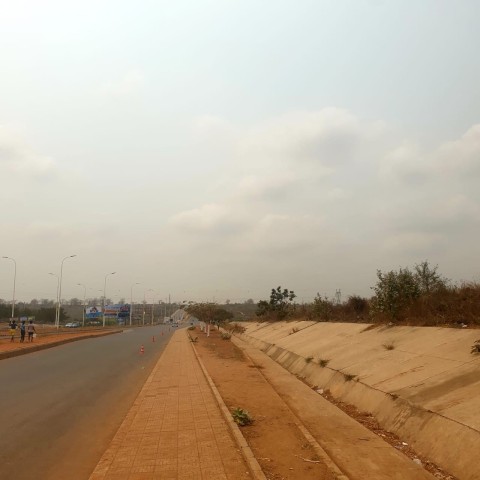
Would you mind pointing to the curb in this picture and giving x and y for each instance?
(44, 346)
(247, 453)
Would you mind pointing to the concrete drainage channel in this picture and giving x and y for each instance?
(393, 413)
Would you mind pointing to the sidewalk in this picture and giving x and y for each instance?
(45, 340)
(175, 429)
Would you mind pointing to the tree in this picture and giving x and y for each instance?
(394, 291)
(428, 279)
(280, 303)
(209, 313)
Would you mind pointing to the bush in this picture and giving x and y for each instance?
(323, 362)
(241, 417)
(394, 291)
(226, 336)
(322, 308)
(358, 305)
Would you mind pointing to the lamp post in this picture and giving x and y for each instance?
(56, 298)
(104, 294)
(131, 301)
(153, 306)
(144, 302)
(84, 298)
(14, 281)
(59, 299)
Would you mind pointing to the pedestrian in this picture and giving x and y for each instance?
(13, 327)
(22, 331)
(31, 330)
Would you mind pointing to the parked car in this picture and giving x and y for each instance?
(72, 325)
(94, 322)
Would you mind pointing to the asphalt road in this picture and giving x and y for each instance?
(60, 407)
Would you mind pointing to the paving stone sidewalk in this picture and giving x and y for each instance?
(174, 430)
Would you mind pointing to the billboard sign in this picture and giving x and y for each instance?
(93, 312)
(117, 311)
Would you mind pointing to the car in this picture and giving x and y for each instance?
(94, 322)
(72, 325)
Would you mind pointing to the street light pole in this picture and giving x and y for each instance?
(144, 303)
(14, 282)
(153, 305)
(84, 298)
(56, 298)
(104, 294)
(59, 300)
(131, 301)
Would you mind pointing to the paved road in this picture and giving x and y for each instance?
(59, 408)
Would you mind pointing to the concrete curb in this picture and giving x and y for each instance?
(44, 346)
(247, 453)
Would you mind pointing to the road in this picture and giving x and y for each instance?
(59, 408)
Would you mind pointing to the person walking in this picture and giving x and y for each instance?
(22, 331)
(13, 327)
(31, 330)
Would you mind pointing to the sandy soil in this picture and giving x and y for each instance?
(277, 443)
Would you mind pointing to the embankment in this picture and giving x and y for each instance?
(421, 383)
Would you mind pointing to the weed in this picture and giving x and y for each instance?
(348, 377)
(308, 359)
(476, 347)
(226, 336)
(241, 417)
(323, 362)
(388, 346)
(394, 396)
(192, 327)
(293, 330)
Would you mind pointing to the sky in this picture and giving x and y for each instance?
(215, 149)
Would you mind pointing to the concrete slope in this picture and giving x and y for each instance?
(425, 388)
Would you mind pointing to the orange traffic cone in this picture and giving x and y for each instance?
(142, 350)
(153, 338)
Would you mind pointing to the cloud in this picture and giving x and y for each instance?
(210, 218)
(310, 188)
(131, 82)
(328, 137)
(19, 161)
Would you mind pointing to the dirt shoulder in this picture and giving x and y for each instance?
(277, 443)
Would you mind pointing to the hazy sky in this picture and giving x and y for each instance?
(219, 148)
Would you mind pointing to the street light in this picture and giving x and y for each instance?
(131, 301)
(153, 305)
(104, 294)
(56, 298)
(84, 298)
(59, 299)
(14, 281)
(144, 302)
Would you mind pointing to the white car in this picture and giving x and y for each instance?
(72, 325)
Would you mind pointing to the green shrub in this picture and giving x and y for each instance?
(241, 417)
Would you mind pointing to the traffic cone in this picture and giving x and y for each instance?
(153, 338)
(142, 350)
